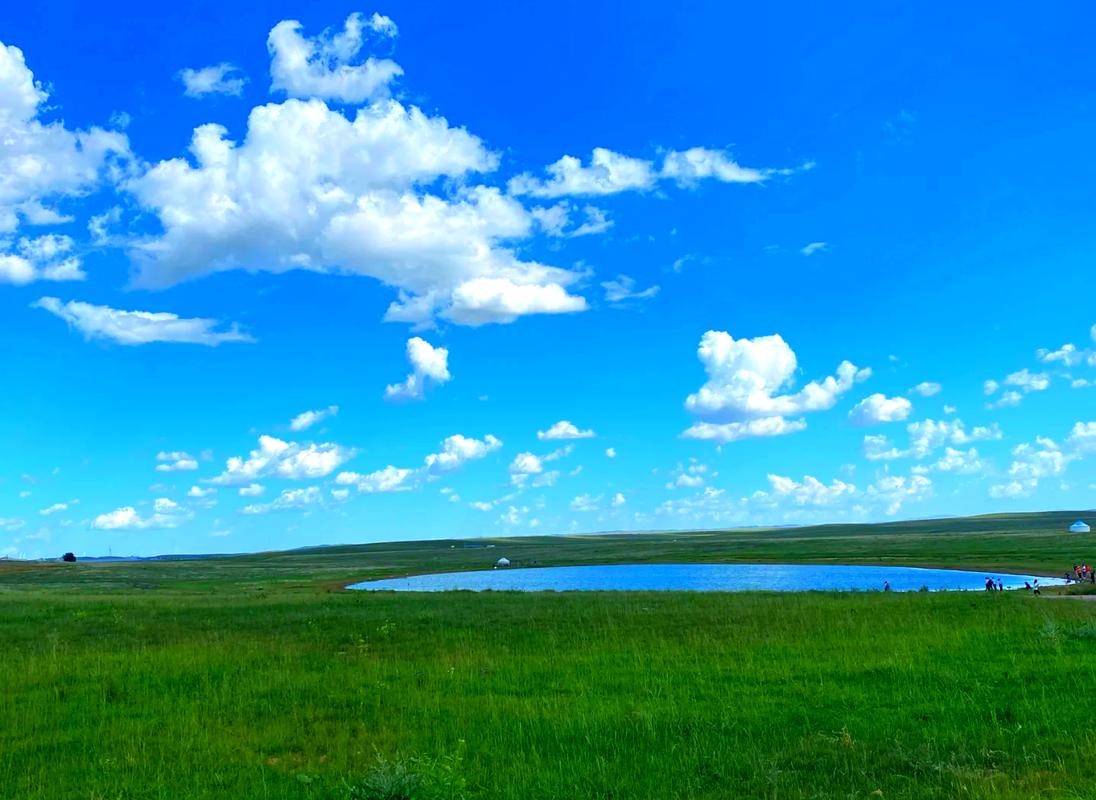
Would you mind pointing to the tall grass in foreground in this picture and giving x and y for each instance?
(655, 695)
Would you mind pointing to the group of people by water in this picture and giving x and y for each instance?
(1081, 572)
(999, 585)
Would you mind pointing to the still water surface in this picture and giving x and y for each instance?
(702, 578)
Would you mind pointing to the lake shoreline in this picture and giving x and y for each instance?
(783, 577)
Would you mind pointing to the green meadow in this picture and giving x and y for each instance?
(259, 677)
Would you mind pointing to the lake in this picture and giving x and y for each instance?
(701, 578)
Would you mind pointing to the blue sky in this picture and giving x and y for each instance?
(322, 273)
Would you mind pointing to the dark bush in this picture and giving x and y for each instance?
(69, 558)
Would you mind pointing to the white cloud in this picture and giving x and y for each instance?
(596, 222)
(927, 389)
(586, 502)
(734, 431)
(483, 300)
(814, 247)
(685, 480)
(610, 452)
(548, 478)
(1032, 462)
(166, 514)
(1068, 355)
(122, 518)
(623, 289)
(611, 173)
(524, 465)
(687, 167)
(559, 453)
(57, 507)
(41, 166)
(252, 490)
(139, 327)
(455, 451)
(429, 364)
(962, 462)
(894, 491)
(1028, 381)
(289, 499)
(1082, 438)
(565, 430)
(99, 226)
(43, 258)
(1025, 381)
(310, 187)
(618, 500)
(926, 436)
(878, 408)
(198, 493)
(458, 449)
(306, 419)
(1012, 489)
(223, 78)
(389, 479)
(810, 491)
(553, 220)
(556, 220)
(878, 447)
(1042, 459)
(741, 397)
(607, 173)
(278, 459)
(323, 66)
(515, 515)
(809, 499)
(688, 477)
(1008, 399)
(176, 461)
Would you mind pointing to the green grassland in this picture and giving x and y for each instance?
(258, 677)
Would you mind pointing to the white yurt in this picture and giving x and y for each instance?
(502, 562)
(1079, 527)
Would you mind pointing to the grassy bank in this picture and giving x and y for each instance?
(555, 696)
(258, 677)
(1028, 543)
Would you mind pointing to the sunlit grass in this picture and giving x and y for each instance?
(258, 677)
(547, 696)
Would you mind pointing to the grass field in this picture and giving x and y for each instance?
(257, 677)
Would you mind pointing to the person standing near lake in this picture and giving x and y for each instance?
(1000, 585)
(1036, 589)
(886, 586)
